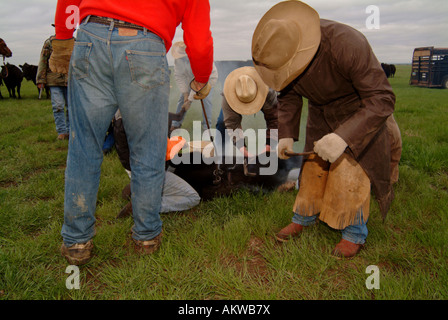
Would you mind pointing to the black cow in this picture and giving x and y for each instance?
(12, 77)
(386, 69)
(212, 180)
(393, 69)
(6, 53)
(30, 73)
(389, 69)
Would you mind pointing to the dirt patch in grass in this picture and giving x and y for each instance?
(251, 262)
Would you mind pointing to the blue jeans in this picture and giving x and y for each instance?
(59, 103)
(356, 233)
(107, 72)
(208, 106)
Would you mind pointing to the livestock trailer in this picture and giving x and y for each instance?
(430, 67)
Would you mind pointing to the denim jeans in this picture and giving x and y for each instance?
(356, 233)
(59, 103)
(208, 106)
(109, 71)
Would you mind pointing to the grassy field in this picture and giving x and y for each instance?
(222, 249)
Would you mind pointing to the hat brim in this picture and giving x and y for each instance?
(230, 94)
(205, 147)
(309, 22)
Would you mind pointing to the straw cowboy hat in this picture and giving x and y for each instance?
(205, 147)
(244, 90)
(284, 42)
(178, 50)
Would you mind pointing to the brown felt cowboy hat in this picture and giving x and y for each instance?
(284, 42)
(178, 50)
(244, 90)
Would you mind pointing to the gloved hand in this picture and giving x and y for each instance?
(60, 57)
(330, 147)
(202, 89)
(245, 152)
(284, 144)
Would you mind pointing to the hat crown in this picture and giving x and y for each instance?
(284, 42)
(277, 43)
(245, 88)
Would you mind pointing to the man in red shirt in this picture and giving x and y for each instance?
(119, 61)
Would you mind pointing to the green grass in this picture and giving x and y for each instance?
(222, 249)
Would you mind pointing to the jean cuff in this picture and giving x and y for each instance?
(353, 239)
(304, 220)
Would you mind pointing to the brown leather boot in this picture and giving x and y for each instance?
(77, 254)
(290, 231)
(346, 249)
(148, 246)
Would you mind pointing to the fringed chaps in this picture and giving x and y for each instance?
(340, 192)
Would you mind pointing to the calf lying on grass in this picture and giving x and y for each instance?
(212, 180)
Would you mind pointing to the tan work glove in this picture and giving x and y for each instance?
(284, 144)
(60, 57)
(202, 89)
(330, 147)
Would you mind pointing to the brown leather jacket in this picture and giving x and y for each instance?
(348, 94)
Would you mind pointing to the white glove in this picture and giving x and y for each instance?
(330, 147)
(191, 96)
(284, 144)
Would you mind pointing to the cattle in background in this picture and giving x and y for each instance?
(4, 50)
(393, 69)
(12, 77)
(6, 53)
(30, 73)
(389, 69)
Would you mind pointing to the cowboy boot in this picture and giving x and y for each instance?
(77, 254)
(148, 246)
(292, 230)
(346, 249)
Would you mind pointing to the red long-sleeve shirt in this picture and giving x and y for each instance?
(159, 16)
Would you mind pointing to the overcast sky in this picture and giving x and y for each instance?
(403, 25)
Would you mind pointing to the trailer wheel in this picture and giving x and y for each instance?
(445, 82)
